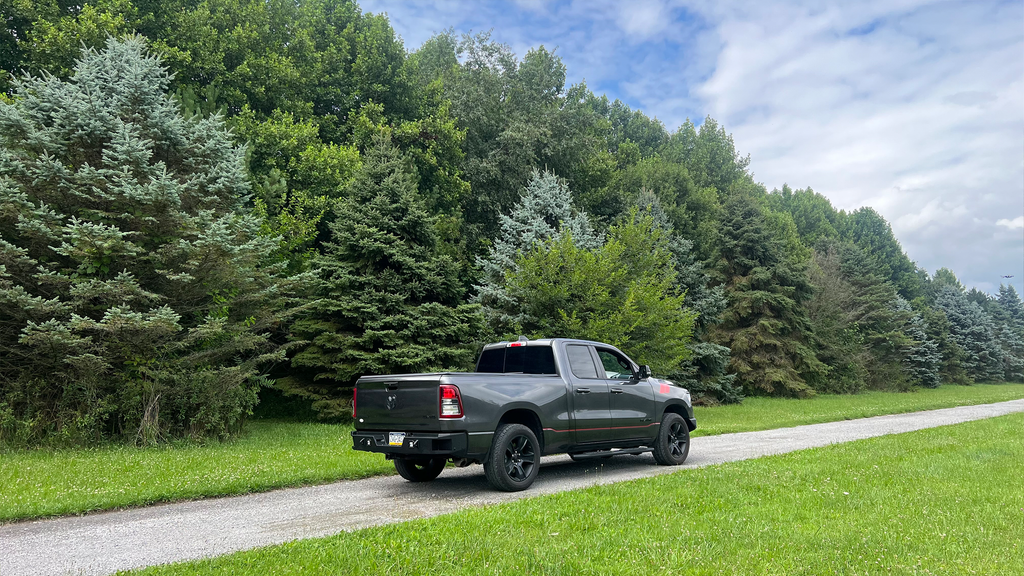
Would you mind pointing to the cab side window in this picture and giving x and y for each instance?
(580, 361)
(615, 366)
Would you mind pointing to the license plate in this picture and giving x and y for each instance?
(396, 438)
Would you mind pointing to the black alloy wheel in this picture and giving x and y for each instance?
(673, 443)
(520, 458)
(419, 469)
(514, 459)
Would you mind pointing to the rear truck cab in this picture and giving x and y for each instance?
(525, 400)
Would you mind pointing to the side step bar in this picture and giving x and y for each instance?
(609, 453)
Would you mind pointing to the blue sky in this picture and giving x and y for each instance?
(913, 107)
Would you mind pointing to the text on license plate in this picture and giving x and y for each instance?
(396, 438)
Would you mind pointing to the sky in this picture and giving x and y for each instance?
(912, 107)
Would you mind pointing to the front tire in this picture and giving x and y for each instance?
(673, 443)
(514, 459)
(419, 470)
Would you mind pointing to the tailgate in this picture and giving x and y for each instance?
(406, 402)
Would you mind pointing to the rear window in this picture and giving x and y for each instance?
(518, 360)
(492, 360)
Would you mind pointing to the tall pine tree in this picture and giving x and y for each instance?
(1010, 331)
(921, 356)
(879, 321)
(1011, 304)
(952, 356)
(390, 302)
(765, 324)
(831, 309)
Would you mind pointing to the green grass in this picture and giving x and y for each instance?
(768, 413)
(271, 455)
(268, 455)
(947, 500)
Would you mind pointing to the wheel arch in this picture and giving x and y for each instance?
(527, 417)
(681, 409)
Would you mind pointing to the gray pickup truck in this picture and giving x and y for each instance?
(526, 399)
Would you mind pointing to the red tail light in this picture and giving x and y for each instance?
(451, 402)
(353, 403)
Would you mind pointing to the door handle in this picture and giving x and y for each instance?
(616, 390)
(583, 390)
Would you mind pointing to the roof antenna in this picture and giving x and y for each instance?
(524, 339)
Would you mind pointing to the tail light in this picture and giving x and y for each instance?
(451, 402)
(354, 403)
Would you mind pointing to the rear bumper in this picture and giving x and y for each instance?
(447, 444)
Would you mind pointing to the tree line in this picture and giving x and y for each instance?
(203, 200)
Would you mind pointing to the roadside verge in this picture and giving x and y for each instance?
(105, 543)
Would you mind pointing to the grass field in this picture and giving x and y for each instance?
(768, 413)
(268, 455)
(946, 500)
(271, 455)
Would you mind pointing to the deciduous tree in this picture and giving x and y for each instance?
(545, 211)
(623, 293)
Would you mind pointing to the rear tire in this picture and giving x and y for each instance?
(673, 443)
(514, 459)
(419, 469)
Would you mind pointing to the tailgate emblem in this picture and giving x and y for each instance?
(391, 402)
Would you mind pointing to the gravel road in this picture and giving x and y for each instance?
(107, 542)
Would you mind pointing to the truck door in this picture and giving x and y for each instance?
(592, 418)
(632, 400)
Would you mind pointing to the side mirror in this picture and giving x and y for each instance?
(644, 372)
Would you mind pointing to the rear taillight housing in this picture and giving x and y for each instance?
(353, 403)
(451, 402)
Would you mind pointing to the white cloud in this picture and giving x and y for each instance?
(1017, 222)
(643, 18)
(915, 109)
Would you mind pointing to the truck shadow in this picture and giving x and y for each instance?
(557, 473)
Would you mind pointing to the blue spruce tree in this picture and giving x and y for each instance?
(921, 356)
(972, 329)
(544, 212)
(137, 298)
(1010, 332)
